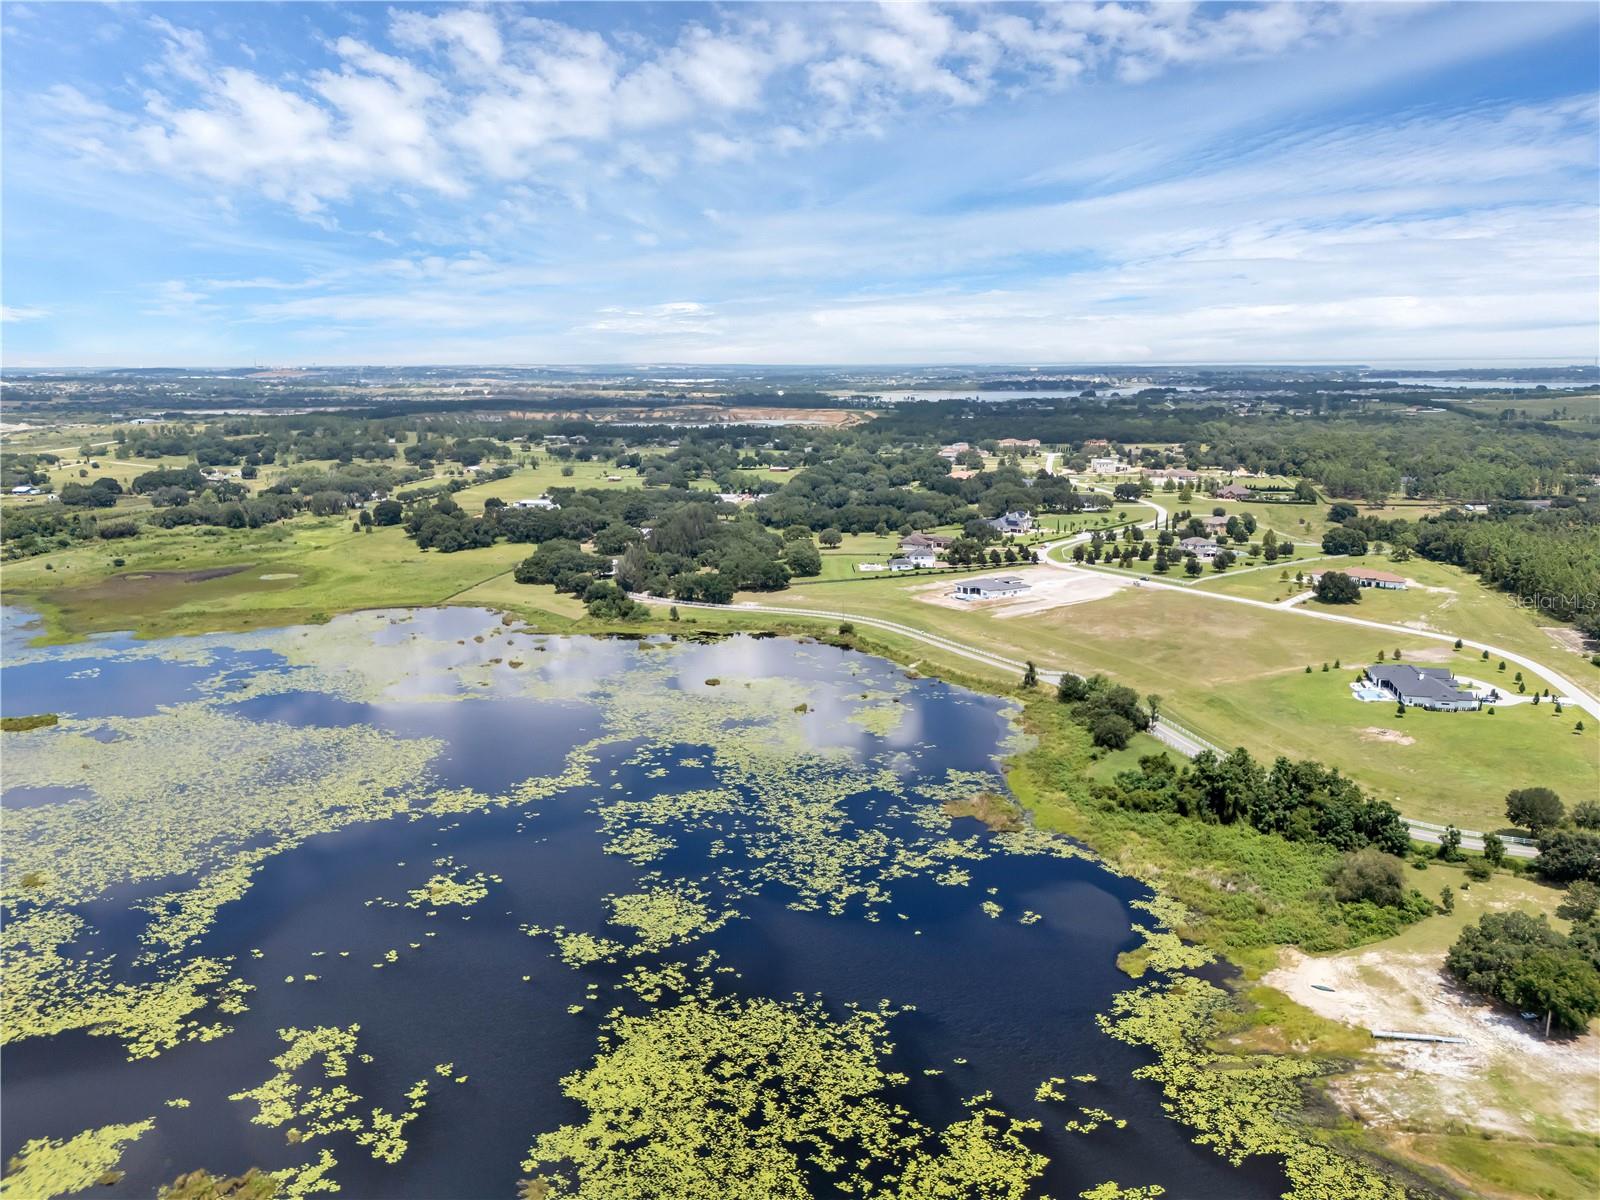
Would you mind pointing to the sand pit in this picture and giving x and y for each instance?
(1047, 588)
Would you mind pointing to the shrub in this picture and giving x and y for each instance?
(1368, 874)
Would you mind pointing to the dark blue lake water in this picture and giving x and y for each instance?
(1015, 1000)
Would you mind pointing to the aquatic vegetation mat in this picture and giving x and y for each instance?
(605, 853)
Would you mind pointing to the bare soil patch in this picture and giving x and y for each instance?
(1374, 733)
(1503, 1077)
(1047, 588)
(1571, 639)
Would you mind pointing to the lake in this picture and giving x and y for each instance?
(428, 904)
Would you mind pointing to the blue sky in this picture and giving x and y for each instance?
(213, 185)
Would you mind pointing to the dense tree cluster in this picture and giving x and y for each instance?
(1109, 711)
(1302, 801)
(102, 493)
(1352, 450)
(1566, 855)
(861, 492)
(1335, 587)
(1521, 960)
(690, 554)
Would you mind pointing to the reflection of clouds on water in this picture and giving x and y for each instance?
(575, 666)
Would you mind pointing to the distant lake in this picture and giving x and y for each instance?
(1506, 385)
(482, 846)
(928, 395)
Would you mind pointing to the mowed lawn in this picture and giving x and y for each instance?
(1441, 598)
(1236, 675)
(1449, 600)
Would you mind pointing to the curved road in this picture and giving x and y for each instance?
(1571, 692)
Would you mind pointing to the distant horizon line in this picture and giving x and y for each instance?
(1543, 362)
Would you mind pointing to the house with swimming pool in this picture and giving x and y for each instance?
(1432, 688)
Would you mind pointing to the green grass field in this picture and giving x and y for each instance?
(299, 571)
(1236, 676)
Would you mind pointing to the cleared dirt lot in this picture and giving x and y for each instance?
(1505, 1077)
(1047, 588)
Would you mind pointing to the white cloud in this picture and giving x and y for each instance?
(22, 312)
(472, 95)
(941, 198)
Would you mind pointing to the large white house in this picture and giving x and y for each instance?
(990, 587)
(1107, 464)
(1012, 522)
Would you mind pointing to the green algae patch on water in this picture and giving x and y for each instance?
(254, 1184)
(49, 990)
(880, 713)
(452, 887)
(46, 1168)
(325, 1105)
(187, 793)
(776, 808)
(1237, 1103)
(755, 1099)
(666, 915)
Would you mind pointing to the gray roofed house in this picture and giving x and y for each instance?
(1422, 687)
(1012, 522)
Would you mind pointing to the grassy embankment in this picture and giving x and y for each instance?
(1252, 893)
